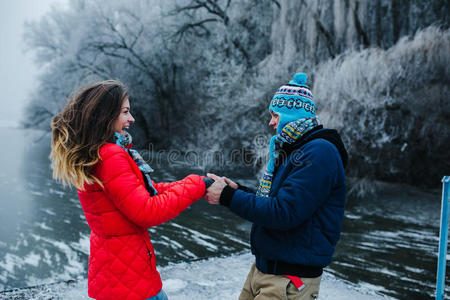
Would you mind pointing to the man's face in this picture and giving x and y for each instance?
(274, 120)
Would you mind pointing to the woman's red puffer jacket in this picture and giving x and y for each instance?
(122, 262)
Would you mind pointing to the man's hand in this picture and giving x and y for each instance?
(214, 191)
(228, 181)
(231, 183)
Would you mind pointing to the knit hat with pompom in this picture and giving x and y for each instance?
(293, 101)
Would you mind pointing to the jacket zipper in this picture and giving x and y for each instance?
(149, 253)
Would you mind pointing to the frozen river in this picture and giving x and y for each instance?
(389, 243)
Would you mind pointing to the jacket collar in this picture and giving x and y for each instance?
(319, 132)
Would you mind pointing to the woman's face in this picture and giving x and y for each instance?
(124, 119)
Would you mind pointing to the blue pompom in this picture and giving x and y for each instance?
(300, 78)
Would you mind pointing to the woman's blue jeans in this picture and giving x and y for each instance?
(160, 296)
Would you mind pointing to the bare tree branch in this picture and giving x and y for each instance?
(326, 34)
(143, 66)
(93, 68)
(186, 27)
(277, 3)
(211, 6)
(358, 26)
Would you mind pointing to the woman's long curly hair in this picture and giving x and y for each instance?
(81, 128)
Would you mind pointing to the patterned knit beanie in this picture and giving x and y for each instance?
(293, 101)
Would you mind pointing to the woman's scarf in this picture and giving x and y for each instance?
(125, 141)
(290, 133)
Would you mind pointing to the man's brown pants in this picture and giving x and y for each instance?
(261, 286)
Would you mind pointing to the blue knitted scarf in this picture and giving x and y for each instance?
(125, 141)
(290, 133)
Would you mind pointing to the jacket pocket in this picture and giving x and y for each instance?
(149, 252)
(149, 255)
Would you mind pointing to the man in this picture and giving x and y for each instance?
(298, 209)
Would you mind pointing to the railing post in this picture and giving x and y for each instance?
(443, 238)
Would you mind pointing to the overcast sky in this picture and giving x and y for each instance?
(17, 72)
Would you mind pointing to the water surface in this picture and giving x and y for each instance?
(389, 242)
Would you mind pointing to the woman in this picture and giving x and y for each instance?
(92, 151)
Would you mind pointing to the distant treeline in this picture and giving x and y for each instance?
(201, 73)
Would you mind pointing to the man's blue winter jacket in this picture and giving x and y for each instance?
(300, 223)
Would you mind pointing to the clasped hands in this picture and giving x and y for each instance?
(213, 192)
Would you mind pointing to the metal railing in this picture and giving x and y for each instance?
(443, 239)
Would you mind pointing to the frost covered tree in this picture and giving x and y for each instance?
(199, 68)
(92, 41)
(237, 26)
(392, 107)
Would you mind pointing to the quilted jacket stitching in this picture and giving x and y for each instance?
(180, 198)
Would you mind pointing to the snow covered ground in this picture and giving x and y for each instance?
(215, 278)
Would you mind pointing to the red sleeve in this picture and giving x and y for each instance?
(131, 197)
(163, 186)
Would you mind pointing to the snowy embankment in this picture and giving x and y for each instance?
(215, 278)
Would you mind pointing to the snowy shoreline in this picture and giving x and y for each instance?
(214, 278)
